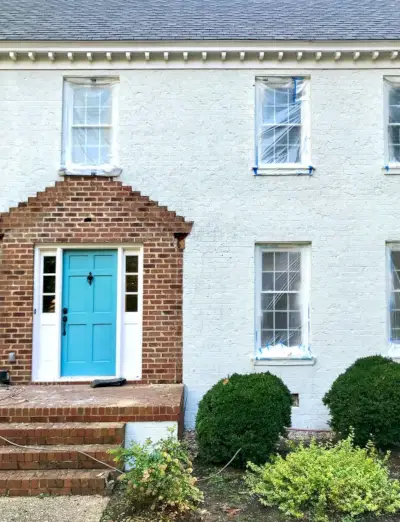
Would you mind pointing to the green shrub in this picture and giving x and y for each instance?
(244, 411)
(367, 397)
(160, 477)
(323, 480)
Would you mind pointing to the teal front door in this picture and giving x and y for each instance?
(88, 323)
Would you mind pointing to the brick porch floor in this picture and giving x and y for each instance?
(80, 403)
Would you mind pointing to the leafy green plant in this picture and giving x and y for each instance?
(320, 480)
(159, 476)
(243, 412)
(366, 397)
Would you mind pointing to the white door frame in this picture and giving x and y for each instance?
(46, 345)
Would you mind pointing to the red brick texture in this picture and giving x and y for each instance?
(118, 215)
(54, 482)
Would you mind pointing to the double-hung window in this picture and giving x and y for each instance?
(282, 122)
(89, 126)
(393, 121)
(282, 301)
(393, 253)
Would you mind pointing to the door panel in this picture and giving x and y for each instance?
(89, 334)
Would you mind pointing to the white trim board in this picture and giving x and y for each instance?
(46, 346)
(199, 55)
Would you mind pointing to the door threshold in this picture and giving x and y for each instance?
(85, 379)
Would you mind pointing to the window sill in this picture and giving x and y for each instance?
(284, 361)
(284, 170)
(391, 170)
(87, 171)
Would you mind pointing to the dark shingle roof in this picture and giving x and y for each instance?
(199, 19)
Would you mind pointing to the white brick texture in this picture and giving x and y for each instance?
(186, 139)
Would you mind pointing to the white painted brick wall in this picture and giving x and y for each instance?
(186, 140)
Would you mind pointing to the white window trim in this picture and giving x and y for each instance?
(390, 168)
(305, 250)
(67, 166)
(393, 346)
(304, 167)
(128, 362)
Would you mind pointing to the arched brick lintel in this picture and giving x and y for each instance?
(94, 211)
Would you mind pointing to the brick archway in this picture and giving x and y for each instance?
(82, 210)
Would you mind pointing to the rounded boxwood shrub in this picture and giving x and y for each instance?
(242, 411)
(366, 397)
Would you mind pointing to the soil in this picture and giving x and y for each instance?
(226, 500)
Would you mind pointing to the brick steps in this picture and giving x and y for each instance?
(52, 462)
(28, 434)
(54, 482)
(56, 457)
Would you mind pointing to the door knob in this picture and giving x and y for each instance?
(64, 320)
(90, 278)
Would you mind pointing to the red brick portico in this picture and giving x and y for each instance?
(94, 210)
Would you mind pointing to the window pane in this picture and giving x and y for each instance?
(295, 113)
(294, 154)
(267, 337)
(395, 319)
(281, 154)
(268, 261)
(294, 281)
(132, 264)
(395, 334)
(78, 155)
(395, 257)
(394, 96)
(48, 304)
(105, 115)
(49, 284)
(92, 137)
(267, 320)
(267, 301)
(131, 283)
(294, 337)
(281, 337)
(268, 281)
(294, 320)
(281, 261)
(92, 156)
(131, 303)
(395, 303)
(281, 301)
(281, 281)
(294, 261)
(281, 320)
(93, 97)
(294, 301)
(281, 96)
(394, 153)
(49, 265)
(394, 134)
(394, 114)
(78, 137)
(396, 279)
(79, 96)
(282, 116)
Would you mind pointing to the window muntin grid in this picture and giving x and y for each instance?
(131, 283)
(281, 129)
(394, 124)
(91, 126)
(49, 284)
(395, 296)
(281, 300)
